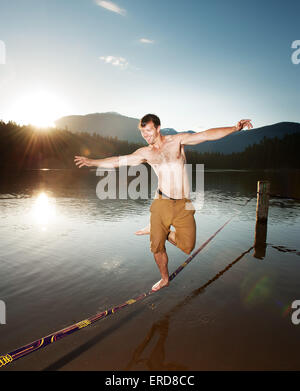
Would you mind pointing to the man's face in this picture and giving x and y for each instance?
(150, 133)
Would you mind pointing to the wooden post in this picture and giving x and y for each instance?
(262, 205)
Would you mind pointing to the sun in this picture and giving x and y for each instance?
(38, 108)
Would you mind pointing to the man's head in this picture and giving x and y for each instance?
(149, 126)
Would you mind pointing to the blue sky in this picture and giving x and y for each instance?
(196, 64)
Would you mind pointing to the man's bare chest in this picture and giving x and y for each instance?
(169, 153)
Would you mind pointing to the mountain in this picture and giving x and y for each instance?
(237, 142)
(110, 124)
(168, 131)
(126, 128)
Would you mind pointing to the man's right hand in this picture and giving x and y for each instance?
(81, 161)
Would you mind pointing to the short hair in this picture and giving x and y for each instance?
(148, 118)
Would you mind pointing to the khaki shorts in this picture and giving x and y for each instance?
(180, 214)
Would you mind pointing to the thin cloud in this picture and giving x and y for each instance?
(120, 62)
(110, 6)
(146, 40)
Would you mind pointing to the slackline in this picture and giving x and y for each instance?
(57, 335)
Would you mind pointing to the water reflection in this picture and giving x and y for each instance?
(284, 249)
(260, 244)
(43, 210)
(156, 358)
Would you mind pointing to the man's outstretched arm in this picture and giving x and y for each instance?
(133, 159)
(214, 133)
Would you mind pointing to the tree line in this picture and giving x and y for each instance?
(27, 147)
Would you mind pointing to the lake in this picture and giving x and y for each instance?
(66, 255)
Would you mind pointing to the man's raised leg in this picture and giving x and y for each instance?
(143, 231)
(171, 237)
(146, 231)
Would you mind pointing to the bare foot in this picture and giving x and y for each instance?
(144, 231)
(160, 284)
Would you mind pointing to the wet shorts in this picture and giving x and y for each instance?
(180, 214)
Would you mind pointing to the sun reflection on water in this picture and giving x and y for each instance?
(43, 210)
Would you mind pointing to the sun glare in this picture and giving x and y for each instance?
(43, 210)
(40, 108)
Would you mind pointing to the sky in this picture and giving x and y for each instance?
(196, 64)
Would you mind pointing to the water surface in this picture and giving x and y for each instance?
(66, 255)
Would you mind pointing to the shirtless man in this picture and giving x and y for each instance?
(171, 205)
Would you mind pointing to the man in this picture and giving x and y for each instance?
(171, 205)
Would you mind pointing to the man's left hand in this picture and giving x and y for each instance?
(243, 123)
